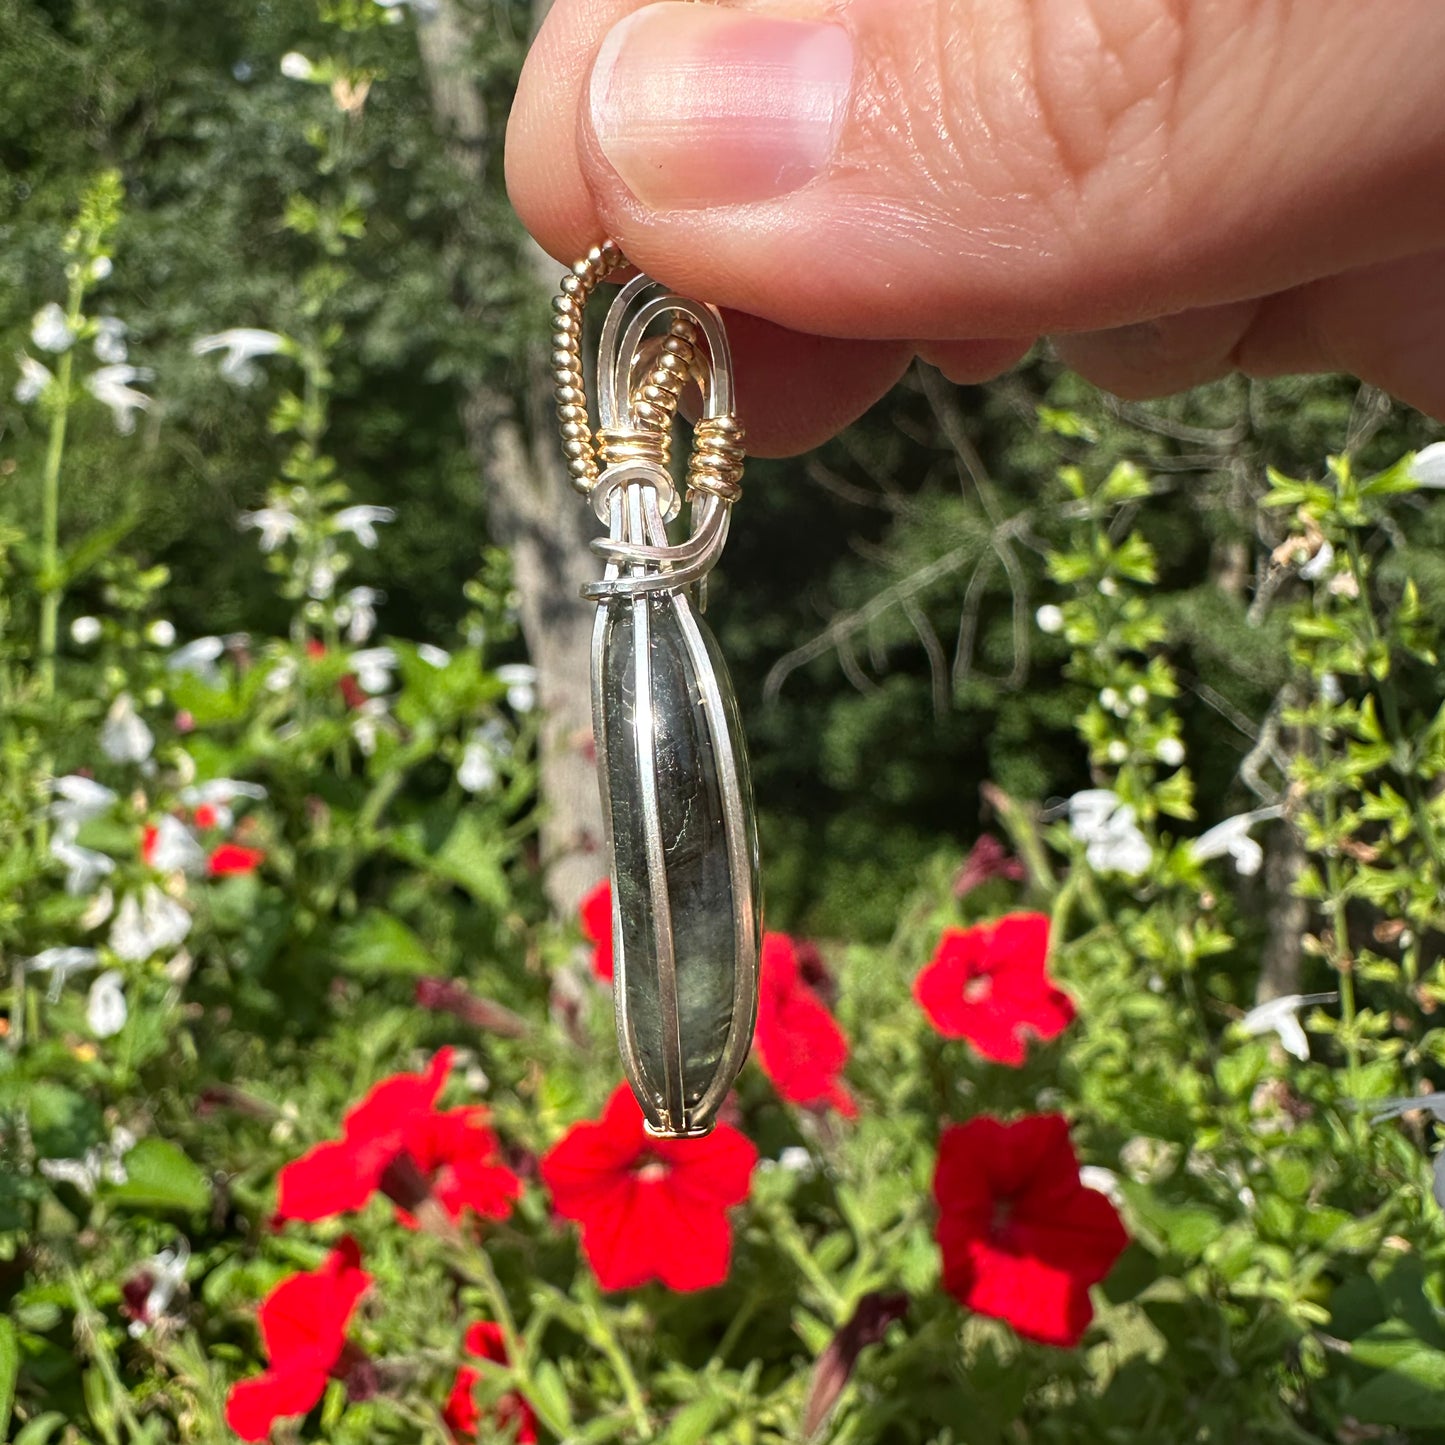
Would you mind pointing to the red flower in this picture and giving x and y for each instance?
(800, 1046)
(206, 816)
(303, 1327)
(596, 914)
(484, 1339)
(650, 1208)
(987, 984)
(352, 692)
(396, 1141)
(1022, 1238)
(232, 858)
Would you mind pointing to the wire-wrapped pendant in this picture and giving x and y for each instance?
(676, 795)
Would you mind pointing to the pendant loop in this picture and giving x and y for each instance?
(677, 798)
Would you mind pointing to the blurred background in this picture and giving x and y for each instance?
(877, 597)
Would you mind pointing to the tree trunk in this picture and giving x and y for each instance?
(531, 508)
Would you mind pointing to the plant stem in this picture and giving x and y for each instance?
(51, 587)
(606, 1341)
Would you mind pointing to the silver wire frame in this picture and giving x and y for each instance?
(640, 565)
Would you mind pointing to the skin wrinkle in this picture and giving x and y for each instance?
(1240, 210)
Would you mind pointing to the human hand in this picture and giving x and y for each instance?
(1174, 189)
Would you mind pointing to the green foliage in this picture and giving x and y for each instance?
(1254, 645)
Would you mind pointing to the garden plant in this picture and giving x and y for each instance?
(1123, 1125)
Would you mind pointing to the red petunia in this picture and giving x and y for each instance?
(303, 1327)
(484, 1340)
(232, 858)
(988, 984)
(206, 816)
(596, 915)
(800, 1046)
(395, 1140)
(1022, 1238)
(650, 1208)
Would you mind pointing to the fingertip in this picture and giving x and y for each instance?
(795, 391)
(967, 363)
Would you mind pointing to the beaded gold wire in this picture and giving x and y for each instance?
(666, 363)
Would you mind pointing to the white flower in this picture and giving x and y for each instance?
(357, 612)
(218, 794)
(84, 867)
(437, 657)
(1108, 587)
(1117, 751)
(1050, 618)
(124, 736)
(1232, 837)
(281, 675)
(199, 659)
(111, 385)
(361, 522)
(1110, 700)
(173, 849)
(149, 926)
(85, 630)
(100, 908)
(1169, 751)
(1138, 695)
(295, 66)
(1319, 564)
(1430, 466)
(276, 524)
(167, 1274)
(321, 582)
(1279, 1016)
(373, 667)
(110, 334)
(1330, 689)
(1106, 825)
(794, 1159)
(161, 633)
(366, 723)
(485, 748)
(34, 378)
(77, 801)
(105, 1007)
(520, 680)
(102, 1164)
(1104, 1181)
(60, 963)
(242, 344)
(100, 268)
(50, 331)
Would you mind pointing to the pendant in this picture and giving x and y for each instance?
(676, 794)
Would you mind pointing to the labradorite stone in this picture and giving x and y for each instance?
(700, 894)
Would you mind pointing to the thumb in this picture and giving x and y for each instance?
(944, 169)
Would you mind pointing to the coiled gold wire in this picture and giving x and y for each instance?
(667, 364)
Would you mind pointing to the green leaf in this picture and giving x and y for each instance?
(692, 1424)
(160, 1176)
(40, 1430)
(549, 1395)
(9, 1371)
(1411, 1388)
(95, 547)
(378, 944)
(472, 854)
